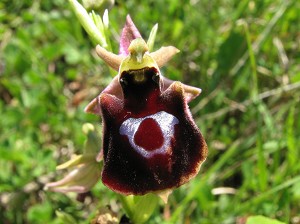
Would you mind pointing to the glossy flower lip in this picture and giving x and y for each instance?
(150, 140)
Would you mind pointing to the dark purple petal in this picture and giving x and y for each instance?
(129, 33)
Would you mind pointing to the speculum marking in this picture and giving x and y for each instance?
(150, 135)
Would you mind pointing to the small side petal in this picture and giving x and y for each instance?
(111, 59)
(93, 107)
(163, 55)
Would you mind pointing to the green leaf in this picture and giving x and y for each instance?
(291, 141)
(262, 220)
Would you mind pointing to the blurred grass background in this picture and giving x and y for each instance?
(243, 54)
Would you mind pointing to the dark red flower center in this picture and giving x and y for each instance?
(149, 135)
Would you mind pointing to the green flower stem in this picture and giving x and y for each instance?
(127, 204)
(254, 92)
(105, 20)
(96, 27)
(139, 208)
(88, 23)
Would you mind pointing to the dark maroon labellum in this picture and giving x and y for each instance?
(150, 141)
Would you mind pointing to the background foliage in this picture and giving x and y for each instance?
(243, 54)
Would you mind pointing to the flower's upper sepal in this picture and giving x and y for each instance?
(150, 141)
(129, 33)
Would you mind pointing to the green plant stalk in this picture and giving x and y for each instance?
(262, 166)
(261, 163)
(94, 26)
(254, 89)
(291, 141)
(103, 28)
(242, 6)
(139, 208)
(144, 207)
(88, 23)
(127, 203)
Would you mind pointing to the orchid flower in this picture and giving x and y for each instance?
(150, 140)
